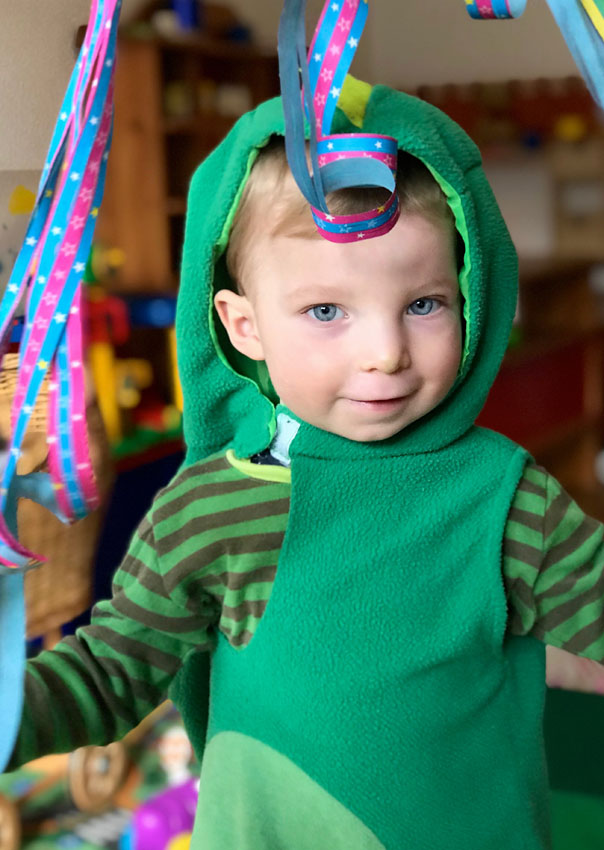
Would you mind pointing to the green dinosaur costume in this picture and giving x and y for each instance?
(350, 641)
(373, 706)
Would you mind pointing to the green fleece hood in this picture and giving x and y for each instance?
(229, 406)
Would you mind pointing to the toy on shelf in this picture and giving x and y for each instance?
(106, 325)
(165, 820)
(140, 792)
(160, 312)
(134, 409)
(518, 115)
(89, 777)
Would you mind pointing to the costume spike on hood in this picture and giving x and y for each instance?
(229, 406)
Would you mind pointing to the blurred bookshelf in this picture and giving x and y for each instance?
(549, 393)
(542, 143)
(175, 100)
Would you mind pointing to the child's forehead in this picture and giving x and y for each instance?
(416, 249)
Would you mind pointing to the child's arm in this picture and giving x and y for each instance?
(95, 686)
(553, 567)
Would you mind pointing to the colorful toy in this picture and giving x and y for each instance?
(160, 312)
(164, 818)
(92, 776)
(121, 382)
(107, 324)
(167, 817)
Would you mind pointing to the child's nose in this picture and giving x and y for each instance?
(385, 350)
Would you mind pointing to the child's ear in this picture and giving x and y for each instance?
(237, 315)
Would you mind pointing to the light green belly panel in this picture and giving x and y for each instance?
(254, 798)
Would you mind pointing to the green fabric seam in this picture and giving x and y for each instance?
(456, 207)
(264, 472)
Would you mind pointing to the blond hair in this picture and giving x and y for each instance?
(272, 204)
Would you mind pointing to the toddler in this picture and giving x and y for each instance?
(348, 587)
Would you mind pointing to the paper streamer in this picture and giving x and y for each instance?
(48, 271)
(581, 23)
(491, 9)
(595, 10)
(343, 160)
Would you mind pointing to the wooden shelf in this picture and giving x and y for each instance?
(154, 156)
(537, 346)
(176, 206)
(211, 48)
(549, 271)
(549, 394)
(558, 437)
(591, 500)
(197, 125)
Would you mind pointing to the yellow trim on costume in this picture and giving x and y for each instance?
(263, 471)
(595, 14)
(353, 99)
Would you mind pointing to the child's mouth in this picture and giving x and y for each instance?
(380, 405)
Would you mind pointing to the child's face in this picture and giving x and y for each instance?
(359, 339)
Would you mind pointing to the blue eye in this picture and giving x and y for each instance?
(326, 312)
(423, 306)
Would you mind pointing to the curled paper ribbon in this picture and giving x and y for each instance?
(490, 9)
(581, 23)
(339, 161)
(49, 271)
(595, 10)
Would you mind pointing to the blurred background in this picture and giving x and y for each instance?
(186, 70)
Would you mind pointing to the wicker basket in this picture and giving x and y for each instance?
(61, 589)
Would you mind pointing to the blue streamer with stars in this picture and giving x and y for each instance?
(84, 126)
(360, 161)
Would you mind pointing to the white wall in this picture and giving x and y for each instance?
(36, 57)
(435, 41)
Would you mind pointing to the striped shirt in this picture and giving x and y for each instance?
(204, 561)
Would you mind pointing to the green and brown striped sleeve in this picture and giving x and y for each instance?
(553, 567)
(203, 559)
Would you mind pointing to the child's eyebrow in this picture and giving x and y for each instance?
(447, 283)
(315, 292)
(451, 284)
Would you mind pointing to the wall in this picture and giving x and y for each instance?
(435, 41)
(409, 42)
(36, 57)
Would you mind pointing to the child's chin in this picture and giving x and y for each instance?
(373, 433)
